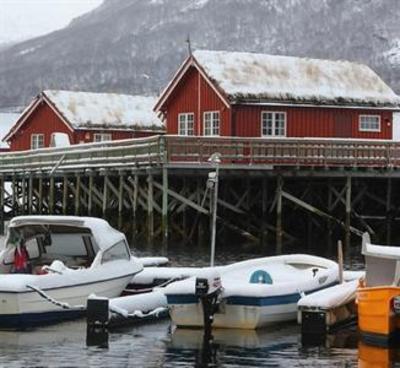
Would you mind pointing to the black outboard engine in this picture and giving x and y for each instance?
(208, 289)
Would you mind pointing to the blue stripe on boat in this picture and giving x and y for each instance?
(245, 300)
(26, 320)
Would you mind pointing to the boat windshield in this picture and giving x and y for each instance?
(41, 245)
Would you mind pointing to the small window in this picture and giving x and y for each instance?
(102, 137)
(117, 251)
(273, 124)
(186, 124)
(37, 141)
(370, 123)
(211, 123)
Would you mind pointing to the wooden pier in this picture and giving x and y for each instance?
(272, 191)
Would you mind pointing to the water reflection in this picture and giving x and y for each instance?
(272, 347)
(377, 357)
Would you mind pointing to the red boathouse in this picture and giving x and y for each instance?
(82, 117)
(217, 93)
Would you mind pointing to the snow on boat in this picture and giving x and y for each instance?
(49, 265)
(249, 294)
(330, 308)
(125, 310)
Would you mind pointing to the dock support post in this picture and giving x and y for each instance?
(30, 194)
(78, 195)
(2, 180)
(23, 194)
(51, 195)
(90, 195)
(120, 198)
(40, 191)
(105, 195)
(135, 202)
(65, 195)
(150, 214)
(389, 212)
(14, 189)
(164, 225)
(348, 211)
(264, 209)
(279, 215)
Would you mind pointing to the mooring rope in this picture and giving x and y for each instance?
(54, 301)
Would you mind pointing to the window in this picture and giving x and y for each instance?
(211, 123)
(370, 123)
(37, 141)
(102, 137)
(273, 124)
(117, 251)
(186, 124)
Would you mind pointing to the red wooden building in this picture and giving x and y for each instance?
(82, 117)
(217, 93)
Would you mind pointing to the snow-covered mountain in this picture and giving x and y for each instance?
(134, 46)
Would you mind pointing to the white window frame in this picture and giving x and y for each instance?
(212, 122)
(361, 129)
(185, 128)
(273, 135)
(102, 137)
(35, 139)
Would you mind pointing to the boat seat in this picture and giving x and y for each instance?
(260, 277)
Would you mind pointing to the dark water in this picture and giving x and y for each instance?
(160, 345)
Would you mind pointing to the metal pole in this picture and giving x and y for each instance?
(214, 215)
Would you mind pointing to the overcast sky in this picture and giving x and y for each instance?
(22, 19)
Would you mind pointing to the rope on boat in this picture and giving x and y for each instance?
(137, 314)
(54, 301)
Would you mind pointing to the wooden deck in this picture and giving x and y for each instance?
(155, 181)
(193, 152)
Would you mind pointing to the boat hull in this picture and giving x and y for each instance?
(233, 316)
(377, 321)
(28, 308)
(235, 312)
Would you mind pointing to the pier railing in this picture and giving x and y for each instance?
(115, 154)
(287, 151)
(153, 151)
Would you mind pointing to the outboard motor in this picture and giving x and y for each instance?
(208, 289)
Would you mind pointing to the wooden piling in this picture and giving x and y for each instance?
(51, 195)
(164, 220)
(279, 230)
(40, 194)
(150, 207)
(90, 194)
(65, 195)
(348, 212)
(77, 194)
(389, 211)
(2, 217)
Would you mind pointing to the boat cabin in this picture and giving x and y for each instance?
(57, 243)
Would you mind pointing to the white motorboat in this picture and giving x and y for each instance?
(67, 259)
(250, 294)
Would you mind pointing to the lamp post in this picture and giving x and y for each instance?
(215, 160)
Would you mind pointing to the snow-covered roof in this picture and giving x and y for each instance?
(104, 110)
(7, 120)
(104, 235)
(248, 77)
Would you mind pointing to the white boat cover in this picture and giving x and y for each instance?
(104, 235)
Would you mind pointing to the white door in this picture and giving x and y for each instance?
(396, 126)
